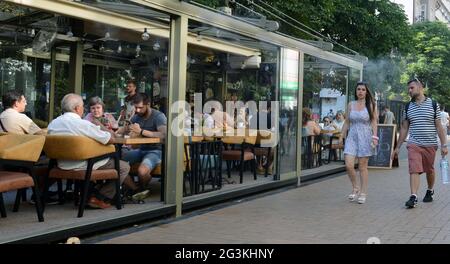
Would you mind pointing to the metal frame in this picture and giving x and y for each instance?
(241, 27)
(177, 92)
(301, 71)
(181, 12)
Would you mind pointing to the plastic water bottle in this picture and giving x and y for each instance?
(444, 170)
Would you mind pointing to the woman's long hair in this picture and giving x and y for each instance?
(370, 103)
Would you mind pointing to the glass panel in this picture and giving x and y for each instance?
(324, 105)
(21, 71)
(288, 110)
(234, 69)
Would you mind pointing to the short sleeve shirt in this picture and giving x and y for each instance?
(17, 123)
(71, 124)
(422, 126)
(155, 120)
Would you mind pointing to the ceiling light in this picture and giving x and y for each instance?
(119, 49)
(107, 35)
(145, 36)
(32, 33)
(102, 48)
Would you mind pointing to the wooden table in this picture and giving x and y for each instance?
(137, 141)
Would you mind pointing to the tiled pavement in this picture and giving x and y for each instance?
(316, 213)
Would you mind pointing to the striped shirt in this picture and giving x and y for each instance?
(422, 126)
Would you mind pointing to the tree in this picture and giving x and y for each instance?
(429, 60)
(372, 28)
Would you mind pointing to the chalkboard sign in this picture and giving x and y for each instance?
(382, 157)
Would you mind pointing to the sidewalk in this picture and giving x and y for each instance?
(316, 213)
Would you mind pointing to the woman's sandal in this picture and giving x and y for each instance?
(354, 195)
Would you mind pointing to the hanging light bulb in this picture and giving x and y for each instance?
(145, 36)
(138, 50)
(32, 33)
(165, 58)
(119, 49)
(107, 35)
(218, 63)
(267, 68)
(102, 48)
(69, 33)
(156, 46)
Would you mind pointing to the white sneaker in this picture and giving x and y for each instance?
(141, 195)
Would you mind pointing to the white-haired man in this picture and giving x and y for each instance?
(71, 123)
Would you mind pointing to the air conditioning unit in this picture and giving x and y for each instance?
(240, 62)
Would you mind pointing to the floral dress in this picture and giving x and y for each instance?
(359, 136)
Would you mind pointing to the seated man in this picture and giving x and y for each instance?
(147, 122)
(71, 123)
(13, 120)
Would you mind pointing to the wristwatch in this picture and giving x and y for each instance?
(444, 146)
(142, 131)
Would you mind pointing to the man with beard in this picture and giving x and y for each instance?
(128, 108)
(147, 122)
(421, 118)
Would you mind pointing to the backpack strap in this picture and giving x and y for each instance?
(433, 102)
(406, 109)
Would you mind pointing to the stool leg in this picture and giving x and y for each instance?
(24, 195)
(60, 192)
(84, 197)
(17, 201)
(2, 206)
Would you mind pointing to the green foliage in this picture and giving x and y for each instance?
(430, 59)
(371, 28)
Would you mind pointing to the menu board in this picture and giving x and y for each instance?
(383, 152)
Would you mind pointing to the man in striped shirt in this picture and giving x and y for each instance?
(422, 119)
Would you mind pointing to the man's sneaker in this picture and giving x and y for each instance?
(94, 202)
(412, 202)
(428, 197)
(140, 195)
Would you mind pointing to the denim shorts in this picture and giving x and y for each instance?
(149, 158)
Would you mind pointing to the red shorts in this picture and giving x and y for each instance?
(421, 159)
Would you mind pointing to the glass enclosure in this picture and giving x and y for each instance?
(288, 110)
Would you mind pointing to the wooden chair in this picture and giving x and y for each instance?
(80, 148)
(21, 151)
(202, 163)
(311, 152)
(243, 154)
(263, 147)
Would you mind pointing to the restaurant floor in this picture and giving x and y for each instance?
(24, 224)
